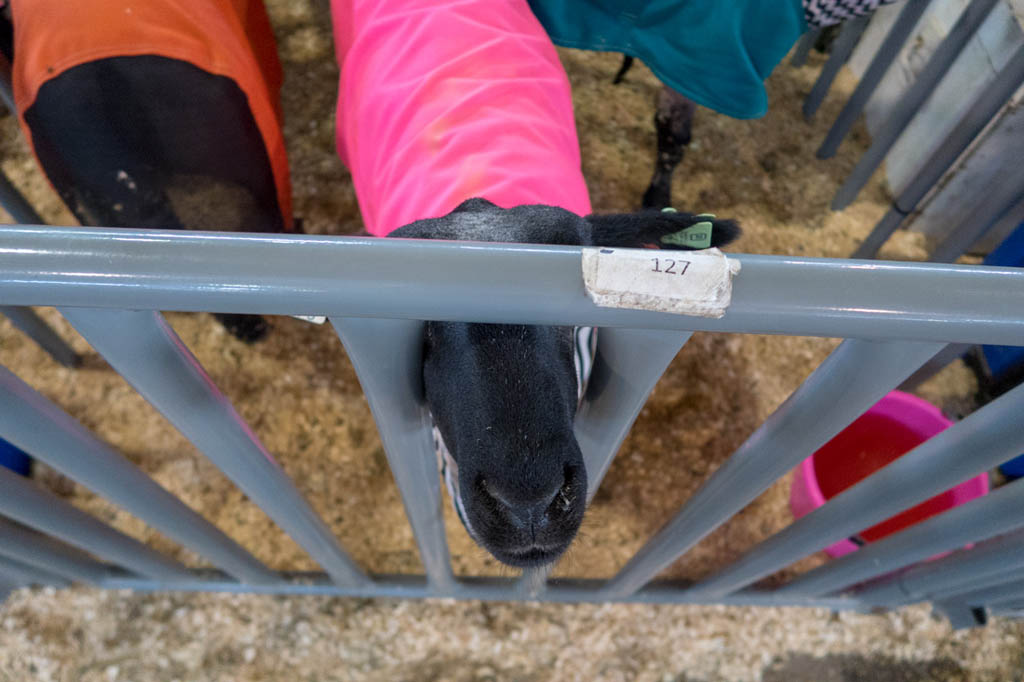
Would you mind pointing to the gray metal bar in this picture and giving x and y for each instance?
(477, 282)
(883, 59)
(995, 594)
(34, 507)
(986, 563)
(388, 358)
(23, 318)
(16, 204)
(43, 552)
(6, 93)
(982, 518)
(144, 350)
(629, 362)
(488, 588)
(842, 48)
(30, 324)
(18, 574)
(804, 47)
(852, 379)
(37, 426)
(1003, 198)
(985, 439)
(908, 106)
(961, 615)
(938, 363)
(973, 122)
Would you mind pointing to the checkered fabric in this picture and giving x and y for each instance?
(821, 13)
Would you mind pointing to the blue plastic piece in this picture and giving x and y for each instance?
(1001, 360)
(14, 459)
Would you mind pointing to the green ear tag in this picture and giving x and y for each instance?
(696, 236)
(669, 210)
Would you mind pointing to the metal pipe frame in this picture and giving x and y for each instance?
(985, 439)
(40, 428)
(980, 519)
(984, 109)
(986, 563)
(484, 282)
(848, 38)
(33, 326)
(144, 350)
(484, 588)
(47, 513)
(372, 286)
(852, 379)
(804, 47)
(14, 573)
(884, 57)
(906, 108)
(52, 556)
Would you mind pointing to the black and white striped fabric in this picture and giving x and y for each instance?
(821, 13)
(585, 343)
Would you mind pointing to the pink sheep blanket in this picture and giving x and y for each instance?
(444, 100)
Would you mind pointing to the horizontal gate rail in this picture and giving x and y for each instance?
(478, 282)
(475, 587)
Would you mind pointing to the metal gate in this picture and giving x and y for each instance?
(895, 317)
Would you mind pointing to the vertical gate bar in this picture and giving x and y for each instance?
(841, 51)
(24, 318)
(988, 104)
(629, 362)
(852, 379)
(804, 47)
(1001, 199)
(388, 358)
(40, 428)
(18, 574)
(988, 560)
(32, 326)
(985, 439)
(980, 519)
(883, 59)
(36, 508)
(961, 615)
(29, 547)
(144, 350)
(913, 99)
(938, 363)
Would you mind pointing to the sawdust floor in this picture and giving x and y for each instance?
(299, 393)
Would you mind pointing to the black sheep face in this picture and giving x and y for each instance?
(504, 397)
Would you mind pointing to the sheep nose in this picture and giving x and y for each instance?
(525, 507)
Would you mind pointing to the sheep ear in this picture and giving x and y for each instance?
(662, 230)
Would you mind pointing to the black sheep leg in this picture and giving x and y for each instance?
(672, 122)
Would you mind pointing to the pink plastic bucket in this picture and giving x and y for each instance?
(895, 425)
